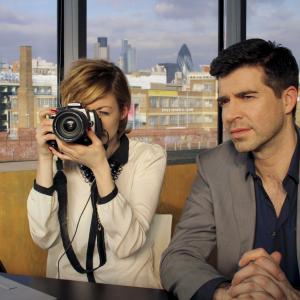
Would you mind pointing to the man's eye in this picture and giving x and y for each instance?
(248, 97)
(222, 101)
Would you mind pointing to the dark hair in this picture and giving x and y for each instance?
(279, 64)
(90, 79)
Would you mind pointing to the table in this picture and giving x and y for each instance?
(77, 290)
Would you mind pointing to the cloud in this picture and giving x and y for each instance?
(277, 23)
(174, 9)
(26, 28)
(156, 39)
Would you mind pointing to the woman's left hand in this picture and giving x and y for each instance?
(91, 156)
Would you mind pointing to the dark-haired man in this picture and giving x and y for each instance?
(243, 203)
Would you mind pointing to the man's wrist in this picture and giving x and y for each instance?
(221, 291)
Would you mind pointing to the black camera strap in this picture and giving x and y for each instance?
(96, 228)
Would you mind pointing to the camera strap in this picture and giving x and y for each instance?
(96, 228)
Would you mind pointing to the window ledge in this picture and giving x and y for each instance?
(14, 166)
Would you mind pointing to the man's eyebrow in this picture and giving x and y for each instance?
(244, 93)
(222, 98)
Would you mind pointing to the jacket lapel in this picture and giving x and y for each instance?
(243, 200)
(298, 225)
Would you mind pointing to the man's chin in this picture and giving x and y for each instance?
(243, 146)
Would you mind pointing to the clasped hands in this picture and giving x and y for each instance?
(259, 277)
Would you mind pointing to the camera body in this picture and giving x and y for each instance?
(70, 124)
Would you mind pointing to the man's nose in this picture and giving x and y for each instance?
(231, 111)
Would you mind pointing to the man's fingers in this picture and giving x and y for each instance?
(252, 255)
(267, 262)
(258, 283)
(276, 256)
(255, 296)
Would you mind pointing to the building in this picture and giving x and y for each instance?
(184, 61)
(171, 69)
(183, 66)
(127, 60)
(8, 88)
(101, 49)
(177, 117)
(23, 94)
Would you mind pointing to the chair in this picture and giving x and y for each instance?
(160, 234)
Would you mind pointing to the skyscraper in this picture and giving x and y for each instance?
(101, 49)
(127, 60)
(184, 60)
(171, 69)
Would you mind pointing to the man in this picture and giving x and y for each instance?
(243, 203)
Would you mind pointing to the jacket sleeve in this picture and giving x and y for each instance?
(127, 220)
(184, 268)
(42, 216)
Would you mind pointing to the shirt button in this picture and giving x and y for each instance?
(273, 233)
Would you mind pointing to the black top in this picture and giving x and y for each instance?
(274, 233)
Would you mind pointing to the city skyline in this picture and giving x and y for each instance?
(157, 28)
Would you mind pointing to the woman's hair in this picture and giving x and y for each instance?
(89, 80)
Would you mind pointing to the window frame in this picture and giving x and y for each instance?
(72, 44)
(72, 41)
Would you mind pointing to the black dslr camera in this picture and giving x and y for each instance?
(70, 124)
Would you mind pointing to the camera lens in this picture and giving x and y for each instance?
(70, 125)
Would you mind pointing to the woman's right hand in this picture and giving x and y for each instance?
(44, 133)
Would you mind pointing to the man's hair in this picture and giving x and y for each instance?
(90, 79)
(279, 65)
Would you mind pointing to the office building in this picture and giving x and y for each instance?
(101, 49)
(171, 69)
(184, 61)
(127, 60)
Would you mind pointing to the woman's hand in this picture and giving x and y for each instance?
(91, 156)
(44, 133)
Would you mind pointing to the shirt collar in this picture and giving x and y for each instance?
(293, 170)
(294, 165)
(121, 154)
(250, 165)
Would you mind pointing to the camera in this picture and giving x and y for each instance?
(70, 124)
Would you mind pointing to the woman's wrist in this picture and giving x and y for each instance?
(105, 183)
(44, 172)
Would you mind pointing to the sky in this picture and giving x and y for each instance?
(156, 28)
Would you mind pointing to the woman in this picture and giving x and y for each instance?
(120, 198)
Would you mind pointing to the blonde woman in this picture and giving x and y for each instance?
(96, 230)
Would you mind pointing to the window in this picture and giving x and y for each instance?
(261, 23)
(164, 48)
(28, 73)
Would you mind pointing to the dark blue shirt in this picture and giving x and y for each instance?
(278, 233)
(271, 232)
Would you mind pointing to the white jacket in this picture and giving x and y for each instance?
(126, 220)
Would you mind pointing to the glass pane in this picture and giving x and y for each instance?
(276, 21)
(164, 47)
(28, 73)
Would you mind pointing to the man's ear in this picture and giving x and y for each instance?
(290, 96)
(124, 113)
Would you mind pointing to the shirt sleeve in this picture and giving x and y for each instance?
(42, 211)
(207, 290)
(127, 218)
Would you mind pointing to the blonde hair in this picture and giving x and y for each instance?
(90, 79)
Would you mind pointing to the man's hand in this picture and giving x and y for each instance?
(260, 276)
(221, 293)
